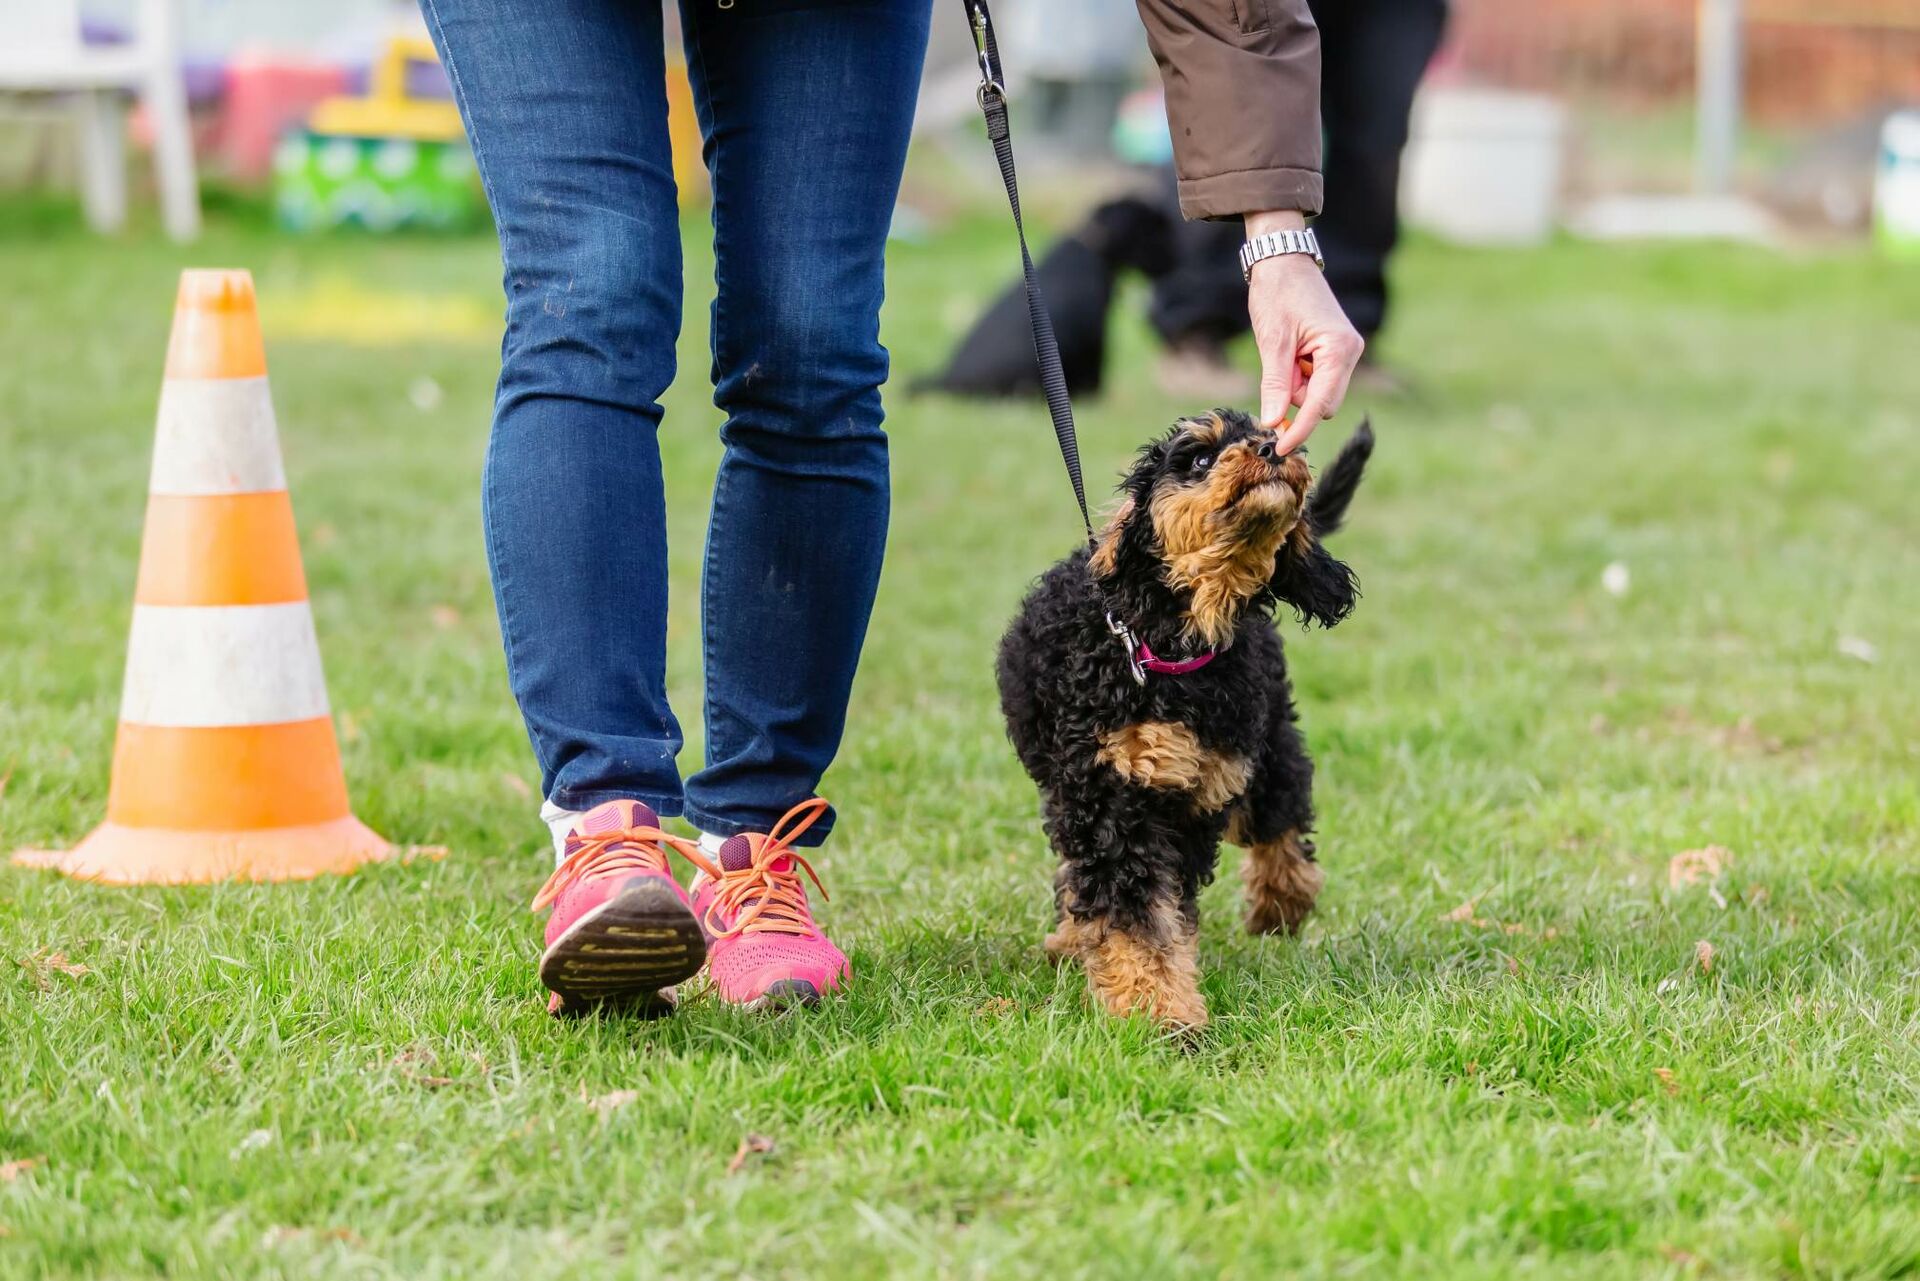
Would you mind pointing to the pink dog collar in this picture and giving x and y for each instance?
(1145, 658)
(1140, 659)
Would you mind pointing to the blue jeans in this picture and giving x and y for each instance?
(805, 108)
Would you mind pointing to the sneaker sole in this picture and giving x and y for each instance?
(625, 952)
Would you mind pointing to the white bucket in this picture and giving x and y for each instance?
(1896, 184)
(1483, 166)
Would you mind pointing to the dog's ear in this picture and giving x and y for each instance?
(1146, 469)
(1150, 247)
(1307, 577)
(1106, 549)
(1132, 232)
(1125, 527)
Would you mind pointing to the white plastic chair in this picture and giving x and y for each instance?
(41, 51)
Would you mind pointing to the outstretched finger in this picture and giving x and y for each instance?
(1325, 389)
(1276, 402)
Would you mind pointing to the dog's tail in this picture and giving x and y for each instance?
(1327, 505)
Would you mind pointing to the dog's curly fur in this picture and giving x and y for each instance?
(1140, 782)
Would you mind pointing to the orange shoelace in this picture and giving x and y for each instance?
(634, 849)
(768, 900)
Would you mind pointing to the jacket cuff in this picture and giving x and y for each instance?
(1229, 195)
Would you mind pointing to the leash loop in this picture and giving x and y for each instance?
(992, 97)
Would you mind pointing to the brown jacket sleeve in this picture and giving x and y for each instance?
(1243, 99)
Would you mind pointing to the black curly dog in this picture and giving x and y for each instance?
(1140, 778)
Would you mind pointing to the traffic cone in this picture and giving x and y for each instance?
(226, 765)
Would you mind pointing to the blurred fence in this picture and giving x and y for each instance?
(1805, 62)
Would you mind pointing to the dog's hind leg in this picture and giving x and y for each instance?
(1283, 882)
(1273, 822)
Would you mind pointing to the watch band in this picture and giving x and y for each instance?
(1274, 243)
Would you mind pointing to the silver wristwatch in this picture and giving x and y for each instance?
(1275, 243)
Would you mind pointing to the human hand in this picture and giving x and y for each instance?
(1308, 348)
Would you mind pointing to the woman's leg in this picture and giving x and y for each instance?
(565, 104)
(806, 108)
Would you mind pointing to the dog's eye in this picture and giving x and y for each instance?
(1201, 462)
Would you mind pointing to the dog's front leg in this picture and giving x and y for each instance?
(1127, 913)
(1148, 965)
(1273, 822)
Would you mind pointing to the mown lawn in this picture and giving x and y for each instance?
(357, 1078)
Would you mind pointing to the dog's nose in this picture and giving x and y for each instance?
(1265, 447)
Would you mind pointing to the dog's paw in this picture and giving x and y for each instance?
(1133, 975)
(1283, 883)
(1277, 918)
(1175, 1013)
(1059, 947)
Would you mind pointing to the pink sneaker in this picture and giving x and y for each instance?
(763, 948)
(622, 931)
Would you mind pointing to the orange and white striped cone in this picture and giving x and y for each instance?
(226, 765)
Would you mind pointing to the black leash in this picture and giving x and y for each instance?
(992, 95)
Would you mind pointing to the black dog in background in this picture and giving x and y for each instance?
(1076, 280)
(1142, 772)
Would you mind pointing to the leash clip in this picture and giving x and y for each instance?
(990, 86)
(1131, 644)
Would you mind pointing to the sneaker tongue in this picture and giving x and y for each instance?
(736, 854)
(616, 816)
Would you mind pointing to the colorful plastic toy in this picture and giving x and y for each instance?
(382, 162)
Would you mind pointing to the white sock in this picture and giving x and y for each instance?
(710, 846)
(560, 822)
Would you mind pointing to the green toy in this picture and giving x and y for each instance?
(382, 162)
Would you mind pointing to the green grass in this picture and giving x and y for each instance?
(237, 1085)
